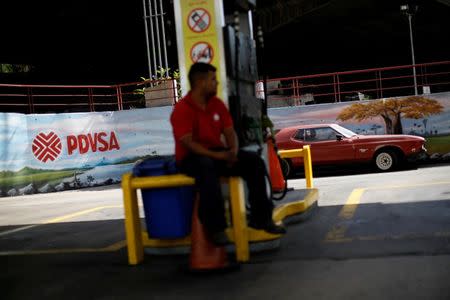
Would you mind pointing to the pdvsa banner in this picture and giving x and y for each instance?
(55, 152)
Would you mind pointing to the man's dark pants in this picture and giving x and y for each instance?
(207, 173)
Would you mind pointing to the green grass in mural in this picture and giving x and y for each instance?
(438, 144)
(26, 176)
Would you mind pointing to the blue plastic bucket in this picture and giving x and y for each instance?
(168, 211)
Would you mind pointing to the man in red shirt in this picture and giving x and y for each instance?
(198, 121)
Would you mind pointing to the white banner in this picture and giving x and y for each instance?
(43, 153)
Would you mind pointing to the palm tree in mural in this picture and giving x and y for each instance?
(424, 121)
(375, 128)
(392, 110)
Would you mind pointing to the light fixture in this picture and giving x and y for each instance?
(410, 10)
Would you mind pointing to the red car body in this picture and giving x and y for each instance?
(333, 144)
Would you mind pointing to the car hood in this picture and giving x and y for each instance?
(389, 137)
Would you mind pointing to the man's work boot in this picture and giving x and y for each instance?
(269, 227)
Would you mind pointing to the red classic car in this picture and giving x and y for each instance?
(332, 144)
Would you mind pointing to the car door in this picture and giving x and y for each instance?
(326, 148)
(297, 142)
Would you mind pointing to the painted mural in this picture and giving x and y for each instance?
(55, 152)
(427, 116)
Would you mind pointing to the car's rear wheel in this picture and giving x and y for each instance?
(386, 160)
(286, 167)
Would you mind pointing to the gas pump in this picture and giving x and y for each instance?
(225, 40)
(222, 33)
(249, 113)
(241, 70)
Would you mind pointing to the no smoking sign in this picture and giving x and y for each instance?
(199, 20)
(202, 52)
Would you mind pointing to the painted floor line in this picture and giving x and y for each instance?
(17, 230)
(111, 248)
(389, 237)
(59, 219)
(347, 212)
(80, 213)
(352, 203)
(337, 232)
(407, 185)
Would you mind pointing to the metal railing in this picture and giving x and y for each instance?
(290, 91)
(358, 85)
(30, 98)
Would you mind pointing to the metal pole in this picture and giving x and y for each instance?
(30, 100)
(164, 38)
(338, 87)
(335, 88)
(381, 84)
(147, 41)
(157, 33)
(91, 100)
(412, 54)
(153, 39)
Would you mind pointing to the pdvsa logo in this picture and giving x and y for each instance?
(48, 146)
(92, 142)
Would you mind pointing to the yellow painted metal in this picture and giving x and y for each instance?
(307, 163)
(163, 181)
(239, 233)
(254, 235)
(295, 207)
(132, 222)
(159, 243)
(292, 153)
(136, 239)
(239, 218)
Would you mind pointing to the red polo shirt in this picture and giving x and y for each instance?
(205, 125)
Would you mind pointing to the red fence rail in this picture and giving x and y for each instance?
(26, 98)
(358, 85)
(289, 91)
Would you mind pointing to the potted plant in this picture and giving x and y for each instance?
(163, 90)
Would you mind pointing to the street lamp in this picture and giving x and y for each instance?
(410, 10)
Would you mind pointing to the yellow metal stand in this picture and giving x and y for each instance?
(307, 164)
(137, 240)
(240, 234)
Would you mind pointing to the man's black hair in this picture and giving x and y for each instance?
(199, 70)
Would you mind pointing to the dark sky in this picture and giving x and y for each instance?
(103, 41)
(82, 41)
(348, 35)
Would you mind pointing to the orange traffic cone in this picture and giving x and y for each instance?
(205, 256)
(276, 174)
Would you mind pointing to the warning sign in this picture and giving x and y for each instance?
(199, 26)
(202, 52)
(199, 20)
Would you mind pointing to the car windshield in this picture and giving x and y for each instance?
(344, 131)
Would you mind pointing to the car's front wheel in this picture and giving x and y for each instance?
(386, 160)
(286, 167)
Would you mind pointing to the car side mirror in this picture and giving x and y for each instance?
(339, 137)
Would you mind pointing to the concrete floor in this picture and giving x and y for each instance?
(372, 236)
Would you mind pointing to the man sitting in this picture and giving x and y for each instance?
(198, 121)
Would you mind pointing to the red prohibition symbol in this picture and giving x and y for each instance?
(202, 52)
(199, 20)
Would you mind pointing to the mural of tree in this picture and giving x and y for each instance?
(392, 110)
